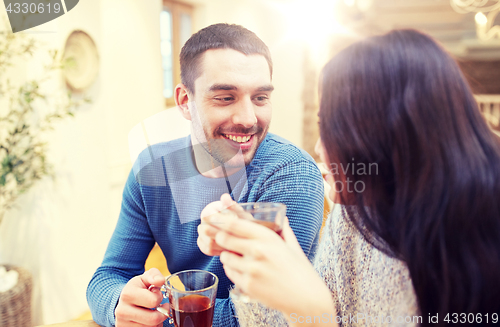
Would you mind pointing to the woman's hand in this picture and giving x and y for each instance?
(207, 232)
(271, 269)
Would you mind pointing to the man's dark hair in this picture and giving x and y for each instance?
(218, 36)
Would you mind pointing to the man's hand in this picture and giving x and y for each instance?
(136, 301)
(206, 233)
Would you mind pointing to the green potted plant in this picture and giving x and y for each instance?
(27, 113)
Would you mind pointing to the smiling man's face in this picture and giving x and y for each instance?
(232, 100)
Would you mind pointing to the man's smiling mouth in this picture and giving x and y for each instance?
(238, 138)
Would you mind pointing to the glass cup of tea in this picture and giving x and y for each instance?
(268, 214)
(191, 295)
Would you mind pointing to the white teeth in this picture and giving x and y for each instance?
(238, 139)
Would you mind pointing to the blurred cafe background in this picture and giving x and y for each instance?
(120, 67)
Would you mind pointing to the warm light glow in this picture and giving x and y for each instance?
(350, 3)
(364, 5)
(312, 22)
(481, 19)
(484, 29)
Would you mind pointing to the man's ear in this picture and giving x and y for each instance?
(181, 95)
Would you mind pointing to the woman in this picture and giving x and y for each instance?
(414, 240)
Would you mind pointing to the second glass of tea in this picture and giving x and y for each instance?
(268, 214)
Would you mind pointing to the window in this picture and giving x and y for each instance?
(175, 30)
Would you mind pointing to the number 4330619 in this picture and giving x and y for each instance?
(33, 8)
(471, 318)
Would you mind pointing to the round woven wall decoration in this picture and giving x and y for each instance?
(81, 61)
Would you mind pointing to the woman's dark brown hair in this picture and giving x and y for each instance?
(400, 102)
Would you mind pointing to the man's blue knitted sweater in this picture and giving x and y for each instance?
(162, 202)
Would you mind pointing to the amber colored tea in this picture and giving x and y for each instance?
(270, 224)
(193, 311)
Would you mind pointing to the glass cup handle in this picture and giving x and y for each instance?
(165, 293)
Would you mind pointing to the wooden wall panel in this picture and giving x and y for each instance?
(483, 76)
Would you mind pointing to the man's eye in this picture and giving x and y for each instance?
(224, 99)
(262, 98)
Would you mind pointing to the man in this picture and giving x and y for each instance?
(226, 89)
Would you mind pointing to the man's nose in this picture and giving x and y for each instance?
(244, 114)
